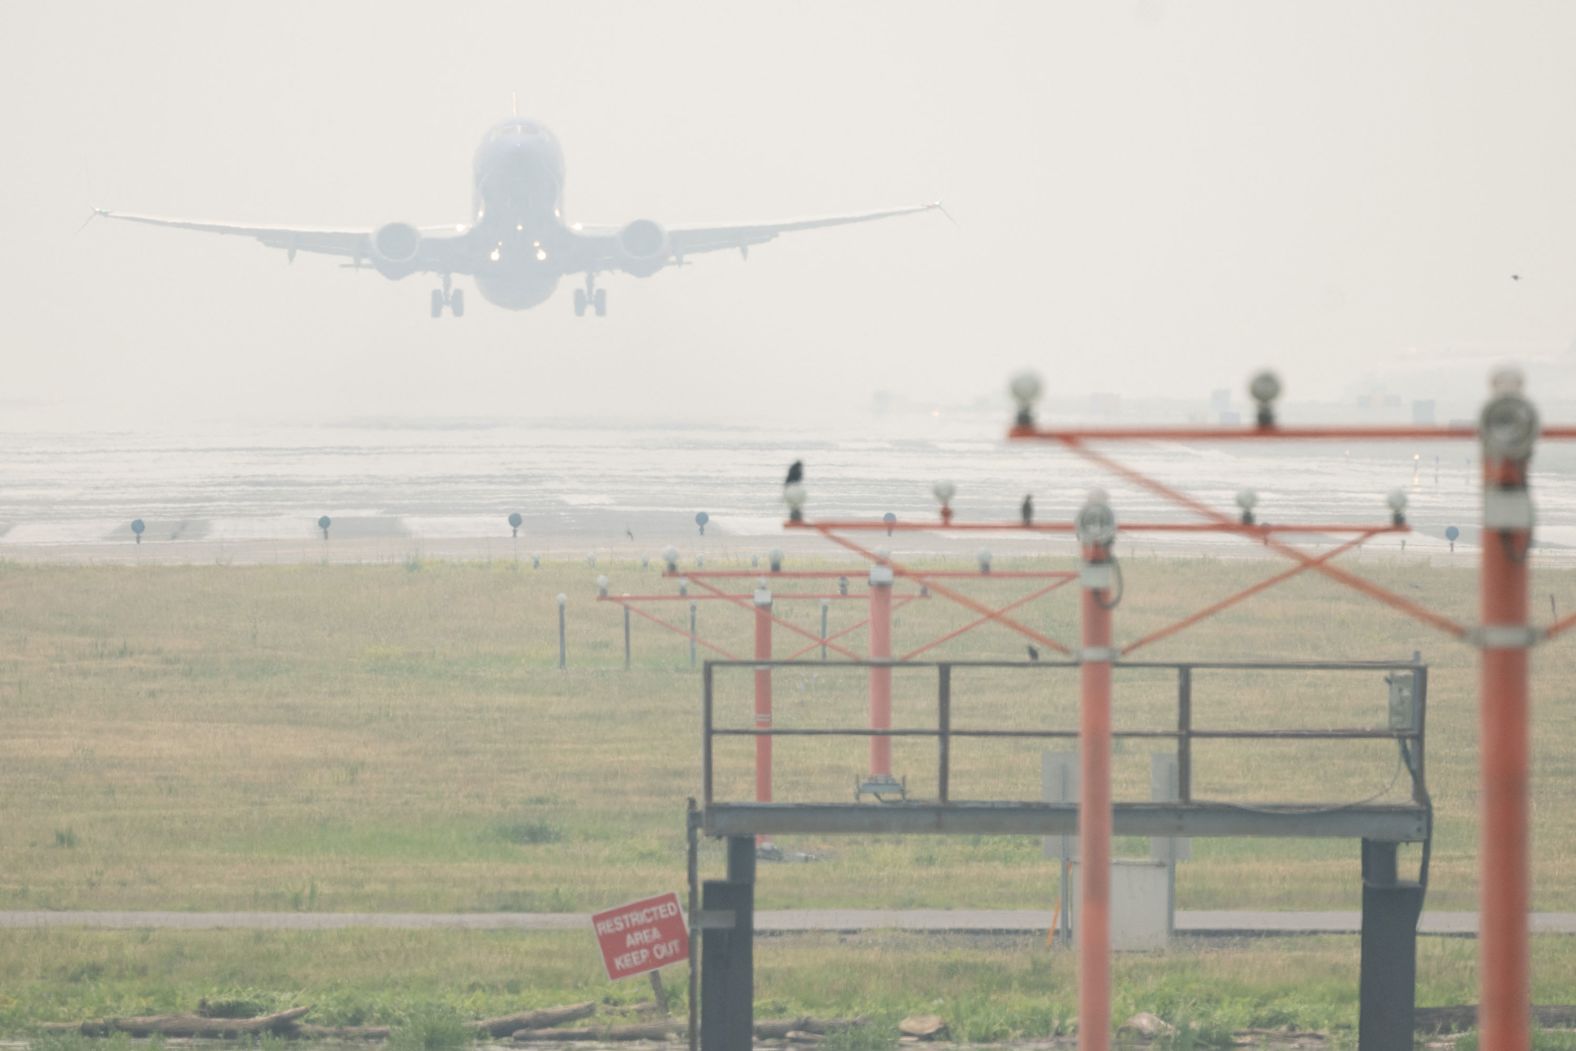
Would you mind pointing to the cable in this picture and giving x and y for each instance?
(1337, 808)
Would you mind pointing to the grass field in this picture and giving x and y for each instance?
(398, 737)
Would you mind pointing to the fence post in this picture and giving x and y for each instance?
(881, 674)
(563, 647)
(692, 634)
(826, 605)
(763, 699)
(944, 726)
(626, 638)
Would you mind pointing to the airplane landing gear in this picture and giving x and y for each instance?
(591, 296)
(448, 296)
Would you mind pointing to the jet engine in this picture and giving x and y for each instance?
(394, 249)
(643, 246)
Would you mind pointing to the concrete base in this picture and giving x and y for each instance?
(1140, 892)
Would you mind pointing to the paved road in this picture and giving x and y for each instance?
(1005, 921)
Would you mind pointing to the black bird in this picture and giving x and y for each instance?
(795, 473)
(629, 532)
(1028, 509)
(1034, 652)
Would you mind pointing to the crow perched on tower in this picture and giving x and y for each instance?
(795, 473)
(1028, 509)
(1034, 652)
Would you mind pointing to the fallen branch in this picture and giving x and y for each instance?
(544, 1018)
(282, 1023)
(1461, 1017)
(648, 1031)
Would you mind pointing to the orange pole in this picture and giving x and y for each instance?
(763, 699)
(880, 677)
(1506, 888)
(1094, 808)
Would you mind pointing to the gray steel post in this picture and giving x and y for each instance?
(727, 960)
(692, 633)
(1387, 983)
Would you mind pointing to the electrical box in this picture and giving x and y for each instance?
(1403, 701)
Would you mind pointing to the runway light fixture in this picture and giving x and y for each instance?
(1265, 388)
(842, 585)
(563, 600)
(1025, 388)
(1509, 424)
(1396, 499)
(984, 559)
(136, 529)
(670, 555)
(945, 491)
(701, 518)
(891, 520)
(794, 496)
(323, 524)
(601, 587)
(1095, 525)
(1247, 500)
(514, 522)
(774, 558)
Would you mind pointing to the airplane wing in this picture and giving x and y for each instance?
(601, 249)
(693, 239)
(355, 245)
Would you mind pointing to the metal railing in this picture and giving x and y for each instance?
(1409, 739)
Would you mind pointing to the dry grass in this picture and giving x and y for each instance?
(399, 738)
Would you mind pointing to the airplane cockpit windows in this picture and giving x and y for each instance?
(515, 129)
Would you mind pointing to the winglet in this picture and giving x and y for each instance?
(94, 214)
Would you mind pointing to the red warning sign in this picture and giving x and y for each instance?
(641, 936)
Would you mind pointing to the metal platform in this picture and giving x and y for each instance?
(1402, 823)
(722, 911)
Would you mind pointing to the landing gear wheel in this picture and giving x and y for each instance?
(580, 302)
(601, 302)
(457, 302)
(437, 303)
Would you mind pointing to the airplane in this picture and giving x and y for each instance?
(517, 246)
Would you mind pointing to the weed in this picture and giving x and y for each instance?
(429, 1028)
(65, 837)
(530, 832)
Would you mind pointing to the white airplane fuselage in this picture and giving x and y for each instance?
(520, 242)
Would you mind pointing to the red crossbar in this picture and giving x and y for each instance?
(1257, 529)
(941, 589)
(677, 630)
(796, 629)
(1246, 593)
(1351, 580)
(1008, 608)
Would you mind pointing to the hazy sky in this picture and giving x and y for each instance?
(1152, 198)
